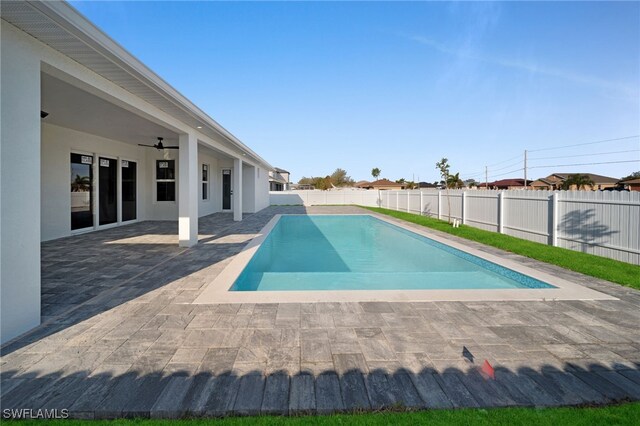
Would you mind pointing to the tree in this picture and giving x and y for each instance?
(443, 167)
(455, 182)
(375, 172)
(470, 183)
(634, 175)
(339, 178)
(580, 182)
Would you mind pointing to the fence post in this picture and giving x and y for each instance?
(439, 204)
(408, 202)
(464, 210)
(501, 212)
(397, 201)
(421, 203)
(554, 219)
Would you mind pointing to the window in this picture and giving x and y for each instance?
(166, 180)
(205, 182)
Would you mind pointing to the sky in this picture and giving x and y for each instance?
(316, 86)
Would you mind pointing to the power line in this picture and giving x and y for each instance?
(585, 143)
(504, 161)
(585, 155)
(507, 173)
(585, 164)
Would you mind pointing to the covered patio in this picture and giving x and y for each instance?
(122, 338)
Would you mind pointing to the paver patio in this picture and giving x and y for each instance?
(120, 337)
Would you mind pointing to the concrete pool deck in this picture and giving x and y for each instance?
(122, 337)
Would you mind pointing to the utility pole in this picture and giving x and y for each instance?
(525, 169)
(486, 177)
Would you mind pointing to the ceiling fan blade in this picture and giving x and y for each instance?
(150, 146)
(171, 147)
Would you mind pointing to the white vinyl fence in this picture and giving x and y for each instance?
(604, 223)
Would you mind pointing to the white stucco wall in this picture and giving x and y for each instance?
(262, 189)
(19, 183)
(248, 189)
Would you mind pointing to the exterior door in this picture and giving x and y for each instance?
(81, 191)
(129, 192)
(107, 191)
(226, 189)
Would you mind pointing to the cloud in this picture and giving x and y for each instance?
(531, 68)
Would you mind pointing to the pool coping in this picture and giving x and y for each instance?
(217, 291)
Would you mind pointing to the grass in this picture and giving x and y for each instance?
(626, 414)
(588, 264)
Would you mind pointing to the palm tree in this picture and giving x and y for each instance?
(455, 182)
(375, 172)
(80, 184)
(443, 167)
(580, 182)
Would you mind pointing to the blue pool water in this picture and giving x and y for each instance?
(360, 252)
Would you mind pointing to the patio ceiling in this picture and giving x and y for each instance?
(71, 107)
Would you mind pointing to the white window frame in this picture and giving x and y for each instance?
(205, 192)
(175, 188)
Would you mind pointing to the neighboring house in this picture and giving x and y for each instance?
(363, 184)
(632, 184)
(279, 180)
(427, 185)
(554, 181)
(97, 103)
(505, 184)
(383, 184)
(303, 186)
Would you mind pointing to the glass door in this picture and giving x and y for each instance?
(107, 191)
(81, 191)
(129, 191)
(226, 190)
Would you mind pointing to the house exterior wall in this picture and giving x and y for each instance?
(34, 175)
(248, 188)
(19, 183)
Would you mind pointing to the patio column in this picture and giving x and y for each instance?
(188, 191)
(237, 189)
(19, 186)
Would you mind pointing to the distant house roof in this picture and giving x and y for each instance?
(598, 179)
(385, 182)
(362, 184)
(630, 181)
(279, 170)
(427, 185)
(505, 183)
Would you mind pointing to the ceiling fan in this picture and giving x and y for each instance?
(159, 145)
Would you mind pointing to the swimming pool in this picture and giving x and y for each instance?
(361, 252)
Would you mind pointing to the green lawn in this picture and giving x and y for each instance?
(627, 414)
(588, 264)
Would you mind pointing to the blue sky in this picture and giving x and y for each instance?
(315, 86)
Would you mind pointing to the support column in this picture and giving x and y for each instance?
(20, 184)
(188, 191)
(237, 189)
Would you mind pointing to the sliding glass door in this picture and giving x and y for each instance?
(129, 192)
(81, 191)
(107, 191)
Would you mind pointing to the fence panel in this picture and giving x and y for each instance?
(482, 210)
(597, 222)
(601, 223)
(527, 215)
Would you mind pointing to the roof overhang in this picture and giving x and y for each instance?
(60, 26)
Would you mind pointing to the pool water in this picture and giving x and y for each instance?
(360, 252)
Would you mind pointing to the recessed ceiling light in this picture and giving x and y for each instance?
(198, 127)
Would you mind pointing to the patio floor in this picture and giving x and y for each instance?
(120, 337)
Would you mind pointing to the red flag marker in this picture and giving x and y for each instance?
(487, 370)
